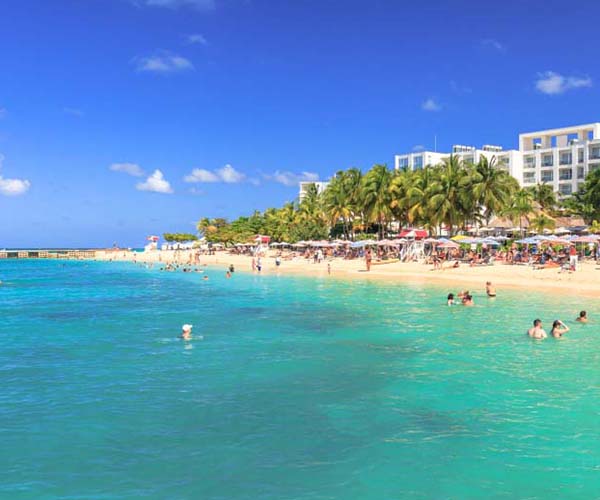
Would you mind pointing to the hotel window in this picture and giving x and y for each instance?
(580, 156)
(548, 176)
(595, 153)
(565, 174)
(565, 189)
(580, 173)
(566, 158)
(529, 177)
(403, 163)
(418, 162)
(530, 162)
(547, 161)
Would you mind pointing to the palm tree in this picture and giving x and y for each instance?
(338, 202)
(491, 187)
(376, 196)
(445, 194)
(594, 227)
(542, 221)
(544, 195)
(521, 206)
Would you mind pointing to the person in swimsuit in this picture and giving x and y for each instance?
(582, 317)
(558, 329)
(450, 299)
(186, 332)
(467, 300)
(490, 289)
(537, 332)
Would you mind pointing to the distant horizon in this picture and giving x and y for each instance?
(126, 118)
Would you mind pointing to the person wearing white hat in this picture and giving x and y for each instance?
(186, 333)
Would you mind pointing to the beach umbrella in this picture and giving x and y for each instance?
(430, 240)
(449, 245)
(584, 239)
(459, 237)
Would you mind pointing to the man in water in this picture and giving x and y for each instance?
(490, 289)
(582, 317)
(537, 332)
(186, 332)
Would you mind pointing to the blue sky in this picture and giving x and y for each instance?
(245, 97)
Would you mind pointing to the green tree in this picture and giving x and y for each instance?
(542, 222)
(544, 196)
(520, 207)
(446, 194)
(491, 187)
(377, 197)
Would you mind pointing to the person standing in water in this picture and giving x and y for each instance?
(558, 329)
(582, 318)
(186, 332)
(537, 332)
(490, 289)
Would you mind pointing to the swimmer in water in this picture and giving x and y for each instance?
(467, 300)
(490, 289)
(450, 299)
(537, 332)
(558, 329)
(186, 332)
(205, 278)
(228, 274)
(581, 319)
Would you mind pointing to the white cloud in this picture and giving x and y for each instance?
(128, 168)
(431, 105)
(292, 179)
(174, 4)
(230, 175)
(491, 43)
(73, 112)
(201, 175)
(13, 187)
(155, 183)
(227, 174)
(552, 83)
(419, 147)
(163, 62)
(196, 38)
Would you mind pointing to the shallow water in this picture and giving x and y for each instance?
(301, 388)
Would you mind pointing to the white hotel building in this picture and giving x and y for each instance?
(561, 157)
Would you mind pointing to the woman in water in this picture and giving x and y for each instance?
(450, 300)
(558, 329)
(490, 289)
(467, 300)
(186, 332)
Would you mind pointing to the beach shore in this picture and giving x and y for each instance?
(586, 280)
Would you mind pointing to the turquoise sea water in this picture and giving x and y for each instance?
(300, 389)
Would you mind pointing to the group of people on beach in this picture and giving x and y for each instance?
(558, 327)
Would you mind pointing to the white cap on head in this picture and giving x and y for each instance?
(187, 328)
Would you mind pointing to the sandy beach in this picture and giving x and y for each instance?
(583, 281)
